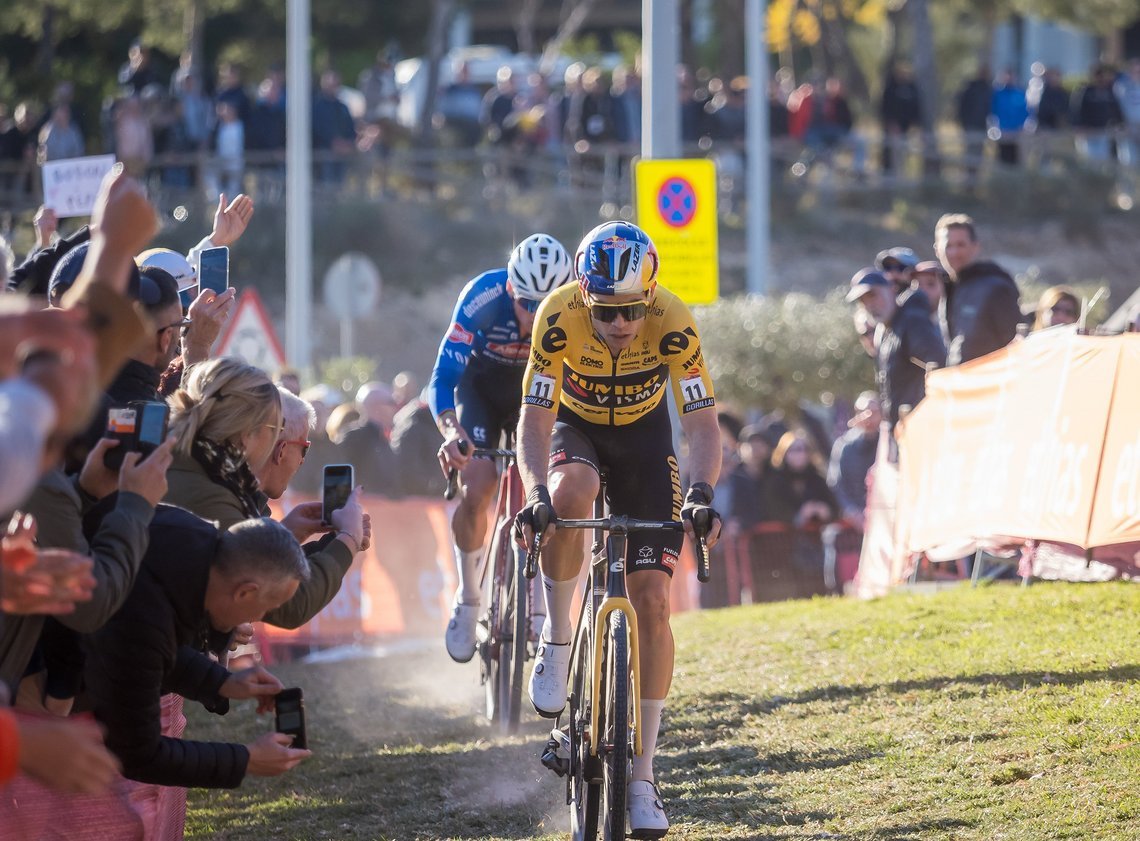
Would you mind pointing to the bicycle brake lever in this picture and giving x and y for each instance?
(701, 526)
(453, 477)
(541, 521)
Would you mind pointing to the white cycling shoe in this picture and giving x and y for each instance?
(548, 678)
(645, 811)
(460, 635)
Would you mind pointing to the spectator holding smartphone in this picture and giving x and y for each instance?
(235, 447)
(116, 548)
(193, 576)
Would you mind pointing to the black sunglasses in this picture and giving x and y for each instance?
(608, 313)
(528, 305)
(893, 267)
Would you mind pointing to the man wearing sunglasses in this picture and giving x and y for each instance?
(593, 400)
(474, 395)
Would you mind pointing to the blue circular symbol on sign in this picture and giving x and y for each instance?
(677, 202)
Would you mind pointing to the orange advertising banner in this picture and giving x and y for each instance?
(1037, 441)
(403, 584)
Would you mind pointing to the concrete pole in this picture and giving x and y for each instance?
(298, 189)
(758, 143)
(660, 47)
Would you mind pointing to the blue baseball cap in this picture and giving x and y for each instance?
(864, 281)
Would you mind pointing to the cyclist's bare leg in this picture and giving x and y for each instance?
(573, 488)
(469, 524)
(649, 593)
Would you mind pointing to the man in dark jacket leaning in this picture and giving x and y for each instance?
(981, 310)
(194, 579)
(909, 342)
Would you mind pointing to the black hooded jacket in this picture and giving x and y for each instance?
(153, 646)
(910, 342)
(979, 313)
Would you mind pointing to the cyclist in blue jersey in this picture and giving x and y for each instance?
(475, 392)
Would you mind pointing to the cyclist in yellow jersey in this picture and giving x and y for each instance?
(603, 353)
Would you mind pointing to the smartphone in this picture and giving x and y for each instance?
(151, 426)
(140, 427)
(187, 296)
(214, 270)
(291, 716)
(121, 425)
(336, 485)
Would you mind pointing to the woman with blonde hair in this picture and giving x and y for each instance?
(226, 419)
(798, 491)
(1058, 305)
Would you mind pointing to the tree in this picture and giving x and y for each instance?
(772, 352)
(442, 11)
(1102, 17)
(524, 25)
(826, 25)
(574, 14)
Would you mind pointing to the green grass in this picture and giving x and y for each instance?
(997, 713)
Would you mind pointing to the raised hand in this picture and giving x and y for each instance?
(230, 221)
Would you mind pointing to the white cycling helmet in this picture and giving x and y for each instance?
(538, 265)
(171, 262)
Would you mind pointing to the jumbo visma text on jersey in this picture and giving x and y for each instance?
(570, 365)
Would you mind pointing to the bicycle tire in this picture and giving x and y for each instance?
(616, 764)
(489, 649)
(583, 791)
(512, 653)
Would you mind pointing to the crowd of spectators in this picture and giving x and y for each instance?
(192, 128)
(128, 580)
(788, 509)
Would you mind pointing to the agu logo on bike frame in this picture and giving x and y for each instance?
(676, 206)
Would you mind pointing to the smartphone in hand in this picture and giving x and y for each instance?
(336, 486)
(140, 427)
(214, 269)
(290, 717)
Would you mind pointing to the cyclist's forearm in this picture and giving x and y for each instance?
(448, 423)
(533, 445)
(703, 435)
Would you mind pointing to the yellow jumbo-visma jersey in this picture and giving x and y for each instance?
(570, 364)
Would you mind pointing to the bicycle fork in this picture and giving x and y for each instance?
(608, 606)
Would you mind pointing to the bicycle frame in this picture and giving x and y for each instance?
(615, 598)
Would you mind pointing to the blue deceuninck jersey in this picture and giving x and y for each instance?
(483, 332)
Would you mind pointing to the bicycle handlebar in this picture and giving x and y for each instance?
(478, 452)
(625, 524)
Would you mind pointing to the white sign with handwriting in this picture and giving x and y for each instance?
(72, 184)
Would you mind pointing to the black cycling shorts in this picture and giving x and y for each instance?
(642, 477)
(487, 401)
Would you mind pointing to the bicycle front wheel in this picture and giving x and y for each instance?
(512, 646)
(583, 789)
(616, 767)
(498, 622)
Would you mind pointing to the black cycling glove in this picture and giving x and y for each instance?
(537, 513)
(698, 509)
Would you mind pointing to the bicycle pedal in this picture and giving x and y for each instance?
(556, 754)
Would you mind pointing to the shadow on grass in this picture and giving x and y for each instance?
(741, 760)
(743, 705)
(919, 831)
